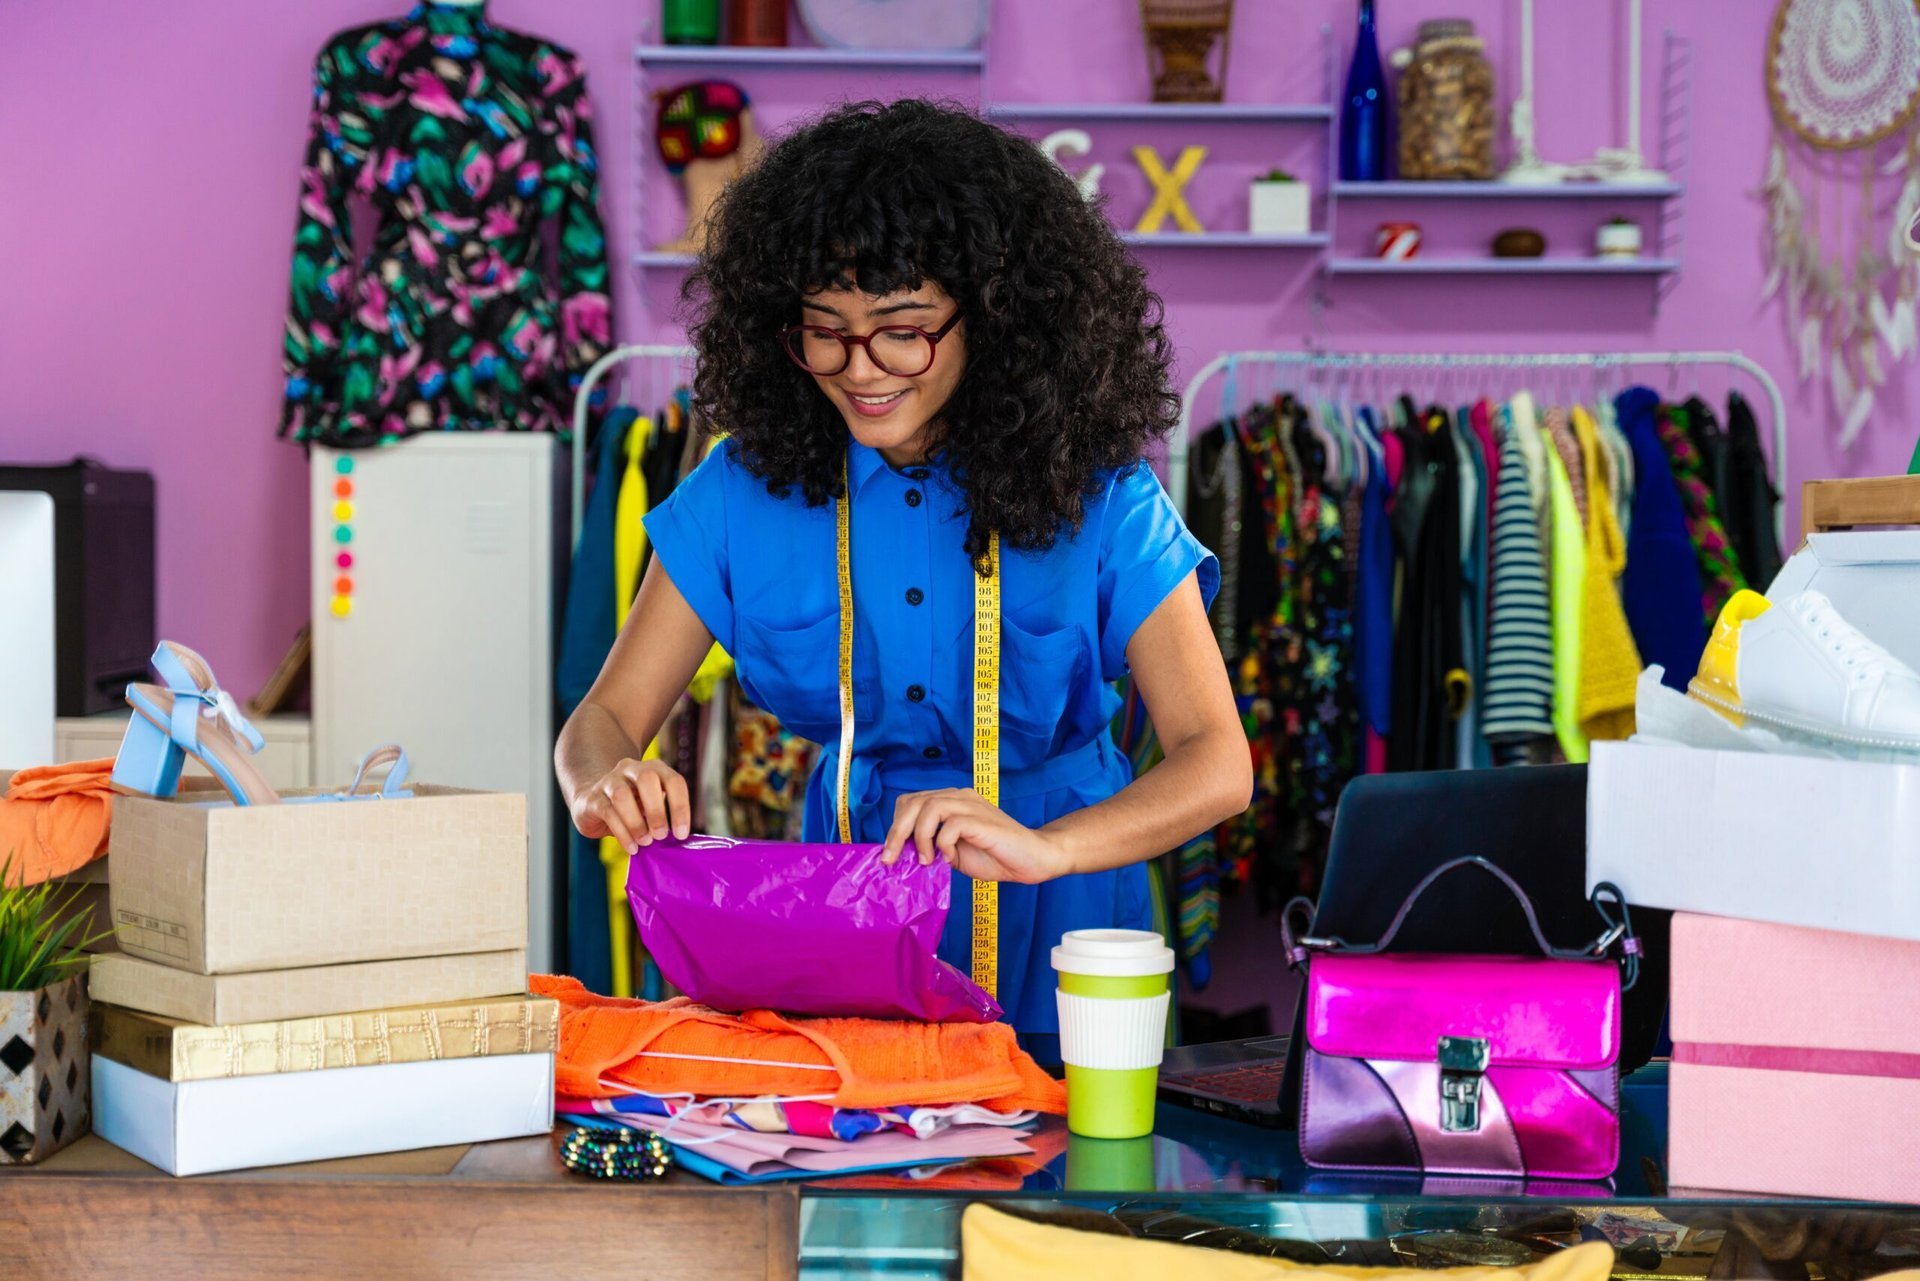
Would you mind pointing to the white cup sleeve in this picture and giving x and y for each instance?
(1113, 1035)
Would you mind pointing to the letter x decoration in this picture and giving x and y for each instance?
(1169, 189)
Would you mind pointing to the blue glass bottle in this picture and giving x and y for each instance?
(1363, 113)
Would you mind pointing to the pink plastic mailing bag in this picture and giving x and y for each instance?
(803, 929)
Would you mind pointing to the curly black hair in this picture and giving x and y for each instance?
(1067, 358)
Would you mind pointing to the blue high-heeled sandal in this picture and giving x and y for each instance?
(194, 717)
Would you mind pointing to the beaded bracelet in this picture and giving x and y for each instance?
(615, 1154)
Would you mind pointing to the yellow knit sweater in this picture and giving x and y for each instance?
(1609, 661)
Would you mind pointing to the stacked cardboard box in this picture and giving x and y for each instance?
(315, 979)
(1796, 934)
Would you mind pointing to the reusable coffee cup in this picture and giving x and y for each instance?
(1109, 1165)
(1113, 998)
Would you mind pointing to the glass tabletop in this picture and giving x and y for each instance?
(1217, 1182)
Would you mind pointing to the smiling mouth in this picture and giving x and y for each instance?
(877, 401)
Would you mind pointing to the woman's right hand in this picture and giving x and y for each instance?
(636, 803)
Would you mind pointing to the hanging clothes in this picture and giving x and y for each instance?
(1567, 589)
(1748, 501)
(1373, 657)
(1609, 663)
(1518, 707)
(1429, 681)
(1720, 575)
(1324, 720)
(470, 140)
(1660, 588)
(1471, 750)
(589, 622)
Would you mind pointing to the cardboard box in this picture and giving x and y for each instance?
(198, 1127)
(1796, 1066)
(272, 995)
(177, 1051)
(1795, 840)
(217, 888)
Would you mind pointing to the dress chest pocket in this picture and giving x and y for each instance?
(1039, 675)
(793, 672)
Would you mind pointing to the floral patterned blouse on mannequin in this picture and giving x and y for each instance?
(466, 139)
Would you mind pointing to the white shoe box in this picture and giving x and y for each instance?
(1829, 844)
(237, 1123)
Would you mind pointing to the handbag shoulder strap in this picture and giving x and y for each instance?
(1300, 946)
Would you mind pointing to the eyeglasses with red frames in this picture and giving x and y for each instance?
(905, 351)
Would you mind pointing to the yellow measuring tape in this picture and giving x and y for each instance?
(986, 719)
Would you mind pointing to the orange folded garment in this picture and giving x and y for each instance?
(861, 1063)
(54, 819)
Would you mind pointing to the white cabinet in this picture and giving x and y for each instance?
(286, 761)
(441, 635)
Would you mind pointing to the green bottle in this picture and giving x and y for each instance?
(690, 21)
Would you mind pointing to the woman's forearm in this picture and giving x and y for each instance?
(591, 743)
(1202, 782)
(653, 658)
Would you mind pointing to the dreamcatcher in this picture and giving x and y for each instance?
(1844, 80)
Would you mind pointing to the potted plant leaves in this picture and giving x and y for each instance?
(1278, 205)
(45, 1091)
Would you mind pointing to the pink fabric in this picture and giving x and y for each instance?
(1793, 1134)
(1788, 1058)
(1556, 1014)
(1750, 983)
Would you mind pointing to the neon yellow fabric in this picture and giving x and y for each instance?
(1609, 660)
(1567, 593)
(995, 1246)
(629, 550)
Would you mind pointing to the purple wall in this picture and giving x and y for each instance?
(150, 154)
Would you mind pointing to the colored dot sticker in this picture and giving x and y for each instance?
(343, 586)
(343, 488)
(343, 512)
(343, 465)
(344, 560)
(342, 607)
(342, 534)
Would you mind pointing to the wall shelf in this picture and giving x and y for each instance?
(1504, 191)
(808, 57)
(1224, 240)
(1197, 112)
(1549, 266)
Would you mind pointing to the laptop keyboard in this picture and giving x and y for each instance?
(1255, 1083)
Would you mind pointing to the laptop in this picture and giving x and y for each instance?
(1389, 831)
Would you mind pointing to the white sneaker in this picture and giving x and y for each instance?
(1802, 669)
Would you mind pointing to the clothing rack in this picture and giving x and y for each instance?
(677, 372)
(1230, 366)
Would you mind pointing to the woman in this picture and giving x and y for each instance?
(907, 303)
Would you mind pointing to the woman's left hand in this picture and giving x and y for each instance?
(979, 839)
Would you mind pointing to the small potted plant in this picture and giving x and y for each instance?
(1618, 238)
(45, 1068)
(1278, 205)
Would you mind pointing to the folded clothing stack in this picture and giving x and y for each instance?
(757, 1097)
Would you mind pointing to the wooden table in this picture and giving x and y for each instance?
(492, 1210)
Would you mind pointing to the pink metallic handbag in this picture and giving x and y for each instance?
(1486, 1065)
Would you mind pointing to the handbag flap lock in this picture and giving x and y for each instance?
(1463, 1069)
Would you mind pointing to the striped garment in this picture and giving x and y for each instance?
(1518, 704)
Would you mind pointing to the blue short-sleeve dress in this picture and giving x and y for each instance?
(759, 571)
